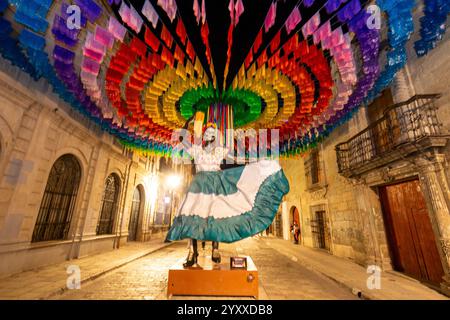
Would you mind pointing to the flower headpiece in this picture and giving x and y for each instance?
(210, 125)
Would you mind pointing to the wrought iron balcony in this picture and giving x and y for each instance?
(404, 128)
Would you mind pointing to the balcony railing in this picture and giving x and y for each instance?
(404, 128)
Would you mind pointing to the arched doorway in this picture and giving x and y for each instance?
(58, 202)
(109, 205)
(294, 217)
(135, 213)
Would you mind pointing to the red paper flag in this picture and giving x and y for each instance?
(167, 57)
(208, 55)
(248, 60)
(262, 59)
(166, 37)
(151, 40)
(179, 54)
(274, 60)
(190, 51)
(230, 42)
(275, 43)
(258, 41)
(291, 45)
(181, 31)
(205, 34)
(138, 46)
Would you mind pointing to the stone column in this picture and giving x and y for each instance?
(436, 191)
(403, 91)
(285, 220)
(403, 88)
(369, 210)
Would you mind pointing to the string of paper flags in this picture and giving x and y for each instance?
(138, 76)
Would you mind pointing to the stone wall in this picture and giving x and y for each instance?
(350, 209)
(430, 74)
(35, 130)
(353, 208)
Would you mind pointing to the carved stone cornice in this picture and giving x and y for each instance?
(18, 97)
(319, 194)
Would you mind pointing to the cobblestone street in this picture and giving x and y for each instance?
(140, 271)
(146, 278)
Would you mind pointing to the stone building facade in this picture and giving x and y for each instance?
(35, 131)
(348, 205)
(340, 211)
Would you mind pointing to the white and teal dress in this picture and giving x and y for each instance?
(229, 205)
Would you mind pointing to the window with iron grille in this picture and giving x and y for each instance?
(109, 205)
(319, 227)
(58, 202)
(313, 169)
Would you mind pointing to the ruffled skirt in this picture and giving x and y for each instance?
(232, 204)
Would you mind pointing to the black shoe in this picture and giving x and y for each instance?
(191, 259)
(215, 257)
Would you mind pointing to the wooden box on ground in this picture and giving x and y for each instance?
(210, 279)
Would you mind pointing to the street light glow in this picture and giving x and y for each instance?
(173, 181)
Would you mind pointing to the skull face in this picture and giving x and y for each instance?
(209, 135)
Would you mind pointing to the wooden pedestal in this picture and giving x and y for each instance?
(211, 279)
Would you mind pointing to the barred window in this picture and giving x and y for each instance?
(109, 205)
(58, 202)
(313, 169)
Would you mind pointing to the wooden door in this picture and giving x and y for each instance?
(296, 216)
(410, 234)
(320, 230)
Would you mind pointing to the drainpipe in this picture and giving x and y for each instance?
(122, 212)
(79, 228)
(328, 214)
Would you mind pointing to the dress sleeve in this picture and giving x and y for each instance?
(223, 152)
(194, 150)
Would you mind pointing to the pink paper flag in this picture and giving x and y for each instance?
(239, 9)
(90, 66)
(203, 12)
(337, 38)
(125, 12)
(104, 37)
(322, 33)
(170, 7)
(325, 30)
(197, 12)
(293, 20)
(311, 25)
(149, 12)
(135, 20)
(231, 9)
(116, 29)
(270, 18)
(93, 45)
(88, 78)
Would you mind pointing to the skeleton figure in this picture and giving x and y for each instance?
(205, 160)
(225, 205)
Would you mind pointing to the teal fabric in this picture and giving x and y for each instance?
(236, 228)
(216, 182)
